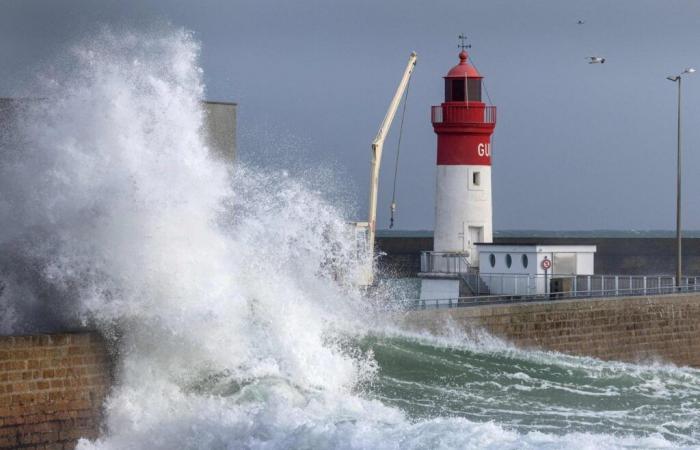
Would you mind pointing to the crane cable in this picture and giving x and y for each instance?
(483, 83)
(398, 152)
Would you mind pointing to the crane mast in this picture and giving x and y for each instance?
(377, 147)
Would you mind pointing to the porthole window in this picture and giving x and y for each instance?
(525, 261)
(492, 260)
(509, 261)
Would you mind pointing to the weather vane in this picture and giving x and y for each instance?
(463, 42)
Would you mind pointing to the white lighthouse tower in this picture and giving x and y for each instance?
(463, 211)
(463, 124)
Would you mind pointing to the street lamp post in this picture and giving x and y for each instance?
(679, 272)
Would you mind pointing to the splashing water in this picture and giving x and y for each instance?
(221, 288)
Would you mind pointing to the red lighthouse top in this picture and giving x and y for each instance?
(463, 122)
(463, 69)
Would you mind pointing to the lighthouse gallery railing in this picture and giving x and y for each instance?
(447, 113)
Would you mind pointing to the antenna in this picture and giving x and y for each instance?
(463, 42)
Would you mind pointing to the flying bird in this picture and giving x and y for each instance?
(581, 22)
(595, 60)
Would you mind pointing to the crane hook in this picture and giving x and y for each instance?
(393, 210)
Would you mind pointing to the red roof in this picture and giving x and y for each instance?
(463, 69)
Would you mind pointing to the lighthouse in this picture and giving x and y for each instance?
(464, 125)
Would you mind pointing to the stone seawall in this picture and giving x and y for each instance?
(52, 388)
(635, 329)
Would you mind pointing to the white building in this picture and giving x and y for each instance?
(529, 269)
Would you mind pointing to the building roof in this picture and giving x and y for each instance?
(539, 248)
(463, 69)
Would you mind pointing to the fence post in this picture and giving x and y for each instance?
(617, 285)
(644, 283)
(588, 284)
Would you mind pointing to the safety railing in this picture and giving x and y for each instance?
(608, 286)
(524, 284)
(447, 113)
(444, 262)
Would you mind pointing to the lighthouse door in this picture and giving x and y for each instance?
(476, 234)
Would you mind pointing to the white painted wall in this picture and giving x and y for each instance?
(431, 289)
(584, 263)
(500, 252)
(520, 280)
(460, 204)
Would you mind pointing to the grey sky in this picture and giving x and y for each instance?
(577, 146)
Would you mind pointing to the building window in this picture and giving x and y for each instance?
(525, 261)
(564, 263)
(476, 178)
(492, 260)
(509, 261)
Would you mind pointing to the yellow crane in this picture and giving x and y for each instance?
(367, 277)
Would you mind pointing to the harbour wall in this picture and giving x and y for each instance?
(614, 255)
(633, 329)
(52, 389)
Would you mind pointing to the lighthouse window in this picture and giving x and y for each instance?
(457, 91)
(524, 258)
(476, 178)
(509, 261)
(492, 260)
(474, 89)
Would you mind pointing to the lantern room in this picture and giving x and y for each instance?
(463, 82)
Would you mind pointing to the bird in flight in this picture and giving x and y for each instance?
(595, 60)
(581, 22)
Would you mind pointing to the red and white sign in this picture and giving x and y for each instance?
(546, 264)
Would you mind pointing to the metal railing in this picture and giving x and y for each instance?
(606, 286)
(444, 262)
(463, 114)
(523, 284)
(475, 283)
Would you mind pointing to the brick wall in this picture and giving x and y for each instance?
(665, 328)
(51, 389)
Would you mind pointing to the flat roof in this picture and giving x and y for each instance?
(219, 102)
(539, 248)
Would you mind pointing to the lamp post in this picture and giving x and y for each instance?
(677, 79)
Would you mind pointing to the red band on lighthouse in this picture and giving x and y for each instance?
(463, 150)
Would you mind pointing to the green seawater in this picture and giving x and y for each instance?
(526, 391)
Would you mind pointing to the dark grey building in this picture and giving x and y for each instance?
(220, 130)
(618, 252)
(219, 124)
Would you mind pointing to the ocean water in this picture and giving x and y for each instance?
(226, 292)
